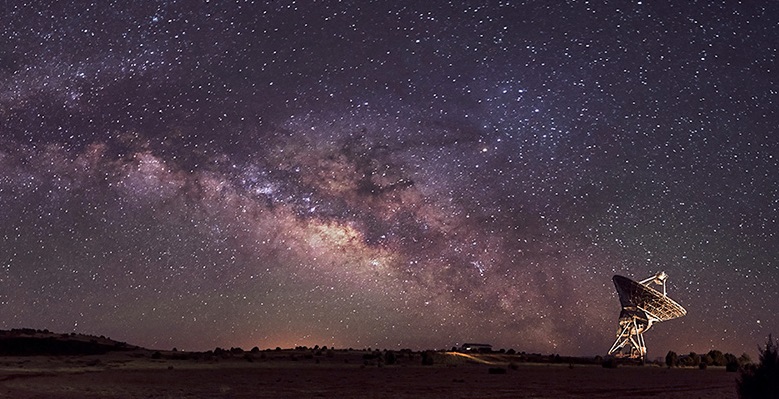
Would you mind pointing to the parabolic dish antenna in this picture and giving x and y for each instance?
(642, 306)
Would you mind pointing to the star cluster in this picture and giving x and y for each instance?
(388, 174)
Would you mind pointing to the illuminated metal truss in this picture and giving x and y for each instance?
(642, 306)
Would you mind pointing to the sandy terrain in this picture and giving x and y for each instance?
(294, 375)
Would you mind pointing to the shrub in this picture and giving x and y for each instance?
(156, 355)
(427, 358)
(717, 358)
(707, 359)
(671, 359)
(703, 366)
(610, 363)
(732, 367)
(695, 359)
(390, 358)
(496, 370)
(731, 363)
(762, 380)
(744, 359)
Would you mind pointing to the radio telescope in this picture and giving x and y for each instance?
(642, 306)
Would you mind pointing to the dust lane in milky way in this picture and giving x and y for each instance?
(388, 174)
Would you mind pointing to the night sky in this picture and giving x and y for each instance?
(389, 174)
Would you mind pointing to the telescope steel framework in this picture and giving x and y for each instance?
(642, 306)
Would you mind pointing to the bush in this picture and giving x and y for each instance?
(744, 359)
(427, 358)
(156, 355)
(717, 358)
(671, 359)
(610, 363)
(703, 366)
(496, 370)
(707, 359)
(732, 367)
(762, 380)
(390, 358)
(731, 363)
(693, 359)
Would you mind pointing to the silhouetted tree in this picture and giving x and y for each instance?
(744, 359)
(389, 358)
(427, 358)
(762, 380)
(671, 359)
(610, 363)
(717, 358)
(694, 359)
(731, 363)
(706, 359)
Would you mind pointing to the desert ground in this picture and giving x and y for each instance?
(342, 374)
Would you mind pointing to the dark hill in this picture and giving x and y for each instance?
(31, 342)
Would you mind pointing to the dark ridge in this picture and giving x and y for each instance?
(31, 342)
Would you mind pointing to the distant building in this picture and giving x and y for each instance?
(476, 348)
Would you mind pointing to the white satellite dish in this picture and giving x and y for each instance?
(642, 306)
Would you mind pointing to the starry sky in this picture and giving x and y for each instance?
(389, 174)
